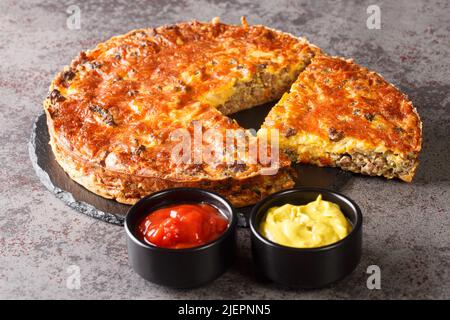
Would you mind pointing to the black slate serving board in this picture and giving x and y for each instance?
(86, 202)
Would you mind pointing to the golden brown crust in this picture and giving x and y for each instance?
(128, 189)
(344, 107)
(129, 91)
(112, 111)
(114, 107)
(333, 92)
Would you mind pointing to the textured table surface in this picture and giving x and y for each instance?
(406, 227)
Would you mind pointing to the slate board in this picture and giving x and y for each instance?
(77, 197)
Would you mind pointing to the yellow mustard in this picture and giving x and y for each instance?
(316, 224)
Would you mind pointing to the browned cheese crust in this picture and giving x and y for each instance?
(341, 114)
(111, 112)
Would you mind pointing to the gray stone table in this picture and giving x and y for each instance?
(406, 227)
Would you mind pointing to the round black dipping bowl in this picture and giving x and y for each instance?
(187, 267)
(308, 267)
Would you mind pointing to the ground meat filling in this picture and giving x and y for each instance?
(374, 164)
(263, 88)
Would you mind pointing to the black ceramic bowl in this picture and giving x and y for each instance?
(306, 268)
(180, 268)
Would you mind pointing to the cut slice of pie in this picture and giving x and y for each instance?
(340, 114)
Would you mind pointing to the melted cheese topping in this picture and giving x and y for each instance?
(219, 96)
(314, 145)
(337, 106)
(123, 98)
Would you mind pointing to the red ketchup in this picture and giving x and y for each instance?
(182, 226)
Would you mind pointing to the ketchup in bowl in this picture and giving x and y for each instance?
(182, 226)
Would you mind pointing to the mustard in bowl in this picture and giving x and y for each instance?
(315, 224)
(307, 244)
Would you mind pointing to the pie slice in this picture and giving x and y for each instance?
(340, 114)
(111, 113)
